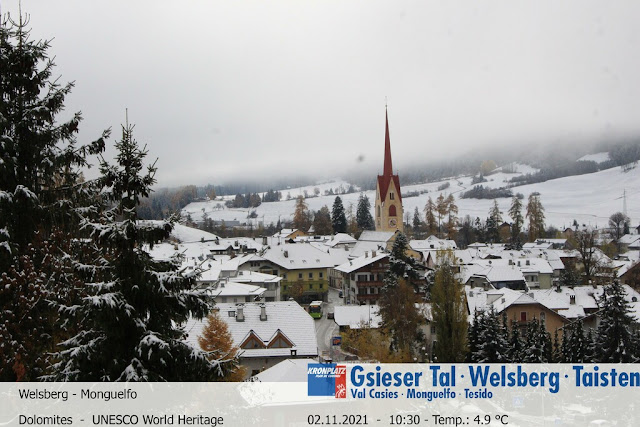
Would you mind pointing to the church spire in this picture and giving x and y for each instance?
(388, 169)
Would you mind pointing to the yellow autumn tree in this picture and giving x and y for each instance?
(217, 341)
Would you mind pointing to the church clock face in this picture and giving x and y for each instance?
(392, 222)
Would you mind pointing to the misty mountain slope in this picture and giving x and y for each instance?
(589, 198)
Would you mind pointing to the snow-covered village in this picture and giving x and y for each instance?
(526, 252)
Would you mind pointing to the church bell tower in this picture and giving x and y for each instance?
(388, 209)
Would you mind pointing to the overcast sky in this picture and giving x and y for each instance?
(221, 89)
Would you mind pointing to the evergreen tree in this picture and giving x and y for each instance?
(417, 223)
(338, 217)
(128, 327)
(322, 222)
(398, 297)
(493, 347)
(430, 217)
(577, 346)
(564, 348)
(516, 345)
(590, 352)
(515, 212)
(41, 186)
(535, 213)
(557, 356)
(614, 341)
(363, 214)
(538, 343)
(449, 311)
(473, 335)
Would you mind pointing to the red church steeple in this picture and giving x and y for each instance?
(388, 208)
(388, 169)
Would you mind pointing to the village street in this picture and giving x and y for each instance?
(327, 328)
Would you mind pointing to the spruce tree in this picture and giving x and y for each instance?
(493, 347)
(516, 345)
(578, 345)
(614, 341)
(338, 217)
(473, 336)
(493, 223)
(416, 221)
(363, 214)
(322, 222)
(40, 188)
(128, 327)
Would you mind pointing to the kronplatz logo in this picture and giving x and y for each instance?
(327, 379)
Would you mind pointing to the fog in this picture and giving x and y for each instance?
(223, 90)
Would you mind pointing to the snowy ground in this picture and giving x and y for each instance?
(590, 199)
(597, 157)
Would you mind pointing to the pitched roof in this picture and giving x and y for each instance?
(358, 263)
(287, 316)
(297, 256)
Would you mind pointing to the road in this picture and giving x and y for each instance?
(327, 328)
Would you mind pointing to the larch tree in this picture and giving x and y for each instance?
(430, 217)
(449, 311)
(217, 342)
(129, 324)
(441, 211)
(493, 223)
(338, 217)
(301, 216)
(535, 213)
(363, 214)
(41, 187)
(452, 218)
(515, 212)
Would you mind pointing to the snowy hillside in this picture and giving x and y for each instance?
(590, 199)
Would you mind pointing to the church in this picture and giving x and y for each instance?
(388, 207)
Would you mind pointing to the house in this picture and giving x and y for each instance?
(362, 278)
(373, 241)
(519, 307)
(288, 234)
(304, 270)
(225, 291)
(289, 370)
(266, 333)
(357, 317)
(269, 282)
(497, 277)
(629, 242)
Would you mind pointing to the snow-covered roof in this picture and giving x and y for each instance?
(357, 263)
(254, 277)
(296, 256)
(234, 289)
(289, 370)
(376, 236)
(432, 243)
(285, 232)
(480, 300)
(357, 316)
(361, 247)
(629, 239)
(496, 274)
(285, 316)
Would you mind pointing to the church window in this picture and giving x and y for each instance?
(391, 196)
(378, 210)
(392, 210)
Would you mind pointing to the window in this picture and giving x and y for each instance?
(310, 275)
(311, 286)
(391, 196)
(542, 316)
(378, 211)
(523, 316)
(392, 210)
(433, 329)
(300, 276)
(321, 275)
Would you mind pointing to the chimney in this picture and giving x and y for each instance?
(572, 299)
(240, 313)
(263, 312)
(286, 254)
(373, 254)
(264, 240)
(366, 254)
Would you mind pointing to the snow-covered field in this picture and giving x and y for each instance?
(597, 157)
(590, 199)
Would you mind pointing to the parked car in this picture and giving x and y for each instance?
(341, 294)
